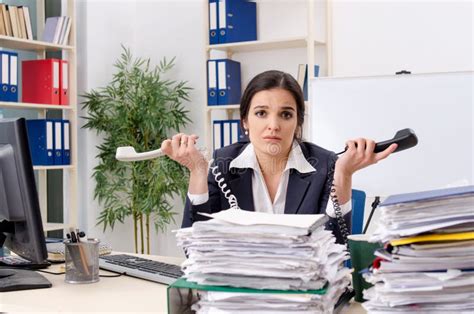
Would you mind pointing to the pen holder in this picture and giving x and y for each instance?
(82, 261)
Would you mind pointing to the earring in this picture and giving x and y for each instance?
(246, 132)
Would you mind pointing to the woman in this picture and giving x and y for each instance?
(276, 172)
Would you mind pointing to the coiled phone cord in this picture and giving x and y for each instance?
(223, 186)
(335, 202)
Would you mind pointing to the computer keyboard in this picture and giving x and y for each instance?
(141, 268)
(14, 261)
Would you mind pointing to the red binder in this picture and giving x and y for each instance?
(41, 81)
(64, 83)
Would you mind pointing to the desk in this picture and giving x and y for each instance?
(116, 294)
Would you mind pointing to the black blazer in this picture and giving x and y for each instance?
(307, 193)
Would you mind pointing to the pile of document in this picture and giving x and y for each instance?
(264, 251)
(427, 264)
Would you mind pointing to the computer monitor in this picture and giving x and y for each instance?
(21, 228)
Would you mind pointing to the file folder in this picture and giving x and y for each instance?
(13, 73)
(41, 81)
(235, 131)
(229, 82)
(217, 134)
(225, 132)
(237, 21)
(213, 25)
(212, 83)
(66, 142)
(64, 82)
(305, 85)
(40, 139)
(58, 142)
(5, 63)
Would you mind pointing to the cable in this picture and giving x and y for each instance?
(374, 205)
(335, 202)
(50, 272)
(62, 273)
(222, 185)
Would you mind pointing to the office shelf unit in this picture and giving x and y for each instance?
(271, 46)
(68, 112)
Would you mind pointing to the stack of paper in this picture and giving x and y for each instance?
(264, 251)
(427, 264)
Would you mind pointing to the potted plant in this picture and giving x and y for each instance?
(138, 108)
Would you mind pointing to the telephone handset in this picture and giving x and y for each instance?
(128, 153)
(405, 138)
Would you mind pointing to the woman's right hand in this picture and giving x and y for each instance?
(181, 148)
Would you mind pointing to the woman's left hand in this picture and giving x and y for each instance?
(360, 154)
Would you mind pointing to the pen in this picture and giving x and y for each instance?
(78, 238)
(73, 236)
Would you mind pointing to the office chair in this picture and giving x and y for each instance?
(358, 207)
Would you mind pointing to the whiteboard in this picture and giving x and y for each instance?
(437, 106)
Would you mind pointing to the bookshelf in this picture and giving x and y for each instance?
(68, 112)
(270, 46)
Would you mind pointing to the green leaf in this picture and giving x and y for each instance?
(140, 107)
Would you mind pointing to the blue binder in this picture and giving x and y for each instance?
(58, 142)
(41, 141)
(213, 22)
(4, 75)
(228, 82)
(237, 21)
(217, 134)
(225, 132)
(13, 73)
(305, 86)
(66, 142)
(212, 82)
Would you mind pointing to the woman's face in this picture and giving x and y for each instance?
(272, 121)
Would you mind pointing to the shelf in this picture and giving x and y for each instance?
(53, 167)
(223, 107)
(55, 226)
(8, 42)
(258, 45)
(25, 105)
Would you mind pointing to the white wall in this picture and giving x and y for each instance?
(385, 36)
(370, 38)
(151, 29)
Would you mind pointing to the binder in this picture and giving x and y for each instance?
(66, 142)
(305, 85)
(235, 131)
(440, 194)
(58, 142)
(228, 82)
(225, 132)
(64, 82)
(5, 79)
(213, 23)
(41, 81)
(40, 139)
(237, 21)
(217, 134)
(226, 136)
(13, 73)
(212, 82)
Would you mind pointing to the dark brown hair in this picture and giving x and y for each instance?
(269, 80)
